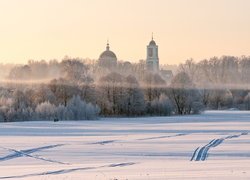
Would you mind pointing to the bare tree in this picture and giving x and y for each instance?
(184, 95)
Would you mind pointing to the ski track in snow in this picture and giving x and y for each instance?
(66, 171)
(143, 139)
(201, 153)
(104, 142)
(23, 153)
(161, 137)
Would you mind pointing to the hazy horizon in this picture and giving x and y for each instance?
(35, 29)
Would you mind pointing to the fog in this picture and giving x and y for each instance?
(66, 88)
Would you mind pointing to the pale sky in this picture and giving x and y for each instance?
(48, 29)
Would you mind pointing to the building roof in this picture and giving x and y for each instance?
(152, 43)
(108, 53)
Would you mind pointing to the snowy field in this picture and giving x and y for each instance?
(213, 145)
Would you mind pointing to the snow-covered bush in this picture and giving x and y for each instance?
(61, 112)
(76, 109)
(21, 114)
(15, 109)
(46, 111)
(80, 110)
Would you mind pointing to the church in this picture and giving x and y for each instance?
(152, 61)
(108, 59)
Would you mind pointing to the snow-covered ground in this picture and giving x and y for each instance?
(213, 145)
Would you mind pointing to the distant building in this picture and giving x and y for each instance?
(152, 61)
(108, 58)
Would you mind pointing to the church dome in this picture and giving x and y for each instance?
(108, 58)
(108, 53)
(152, 43)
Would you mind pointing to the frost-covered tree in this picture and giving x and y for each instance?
(238, 96)
(184, 95)
(46, 111)
(5, 105)
(19, 100)
(61, 113)
(162, 106)
(220, 99)
(42, 94)
(75, 70)
(19, 109)
(20, 73)
(80, 110)
(134, 102)
(63, 90)
(76, 109)
(190, 68)
(153, 85)
(247, 101)
(112, 94)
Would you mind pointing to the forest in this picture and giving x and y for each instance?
(78, 89)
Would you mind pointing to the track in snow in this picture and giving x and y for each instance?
(143, 139)
(66, 171)
(28, 152)
(201, 153)
(104, 142)
(161, 137)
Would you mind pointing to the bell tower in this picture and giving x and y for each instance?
(152, 61)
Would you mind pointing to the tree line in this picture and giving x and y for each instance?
(79, 90)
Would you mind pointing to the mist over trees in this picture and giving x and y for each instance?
(225, 71)
(76, 89)
(223, 82)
